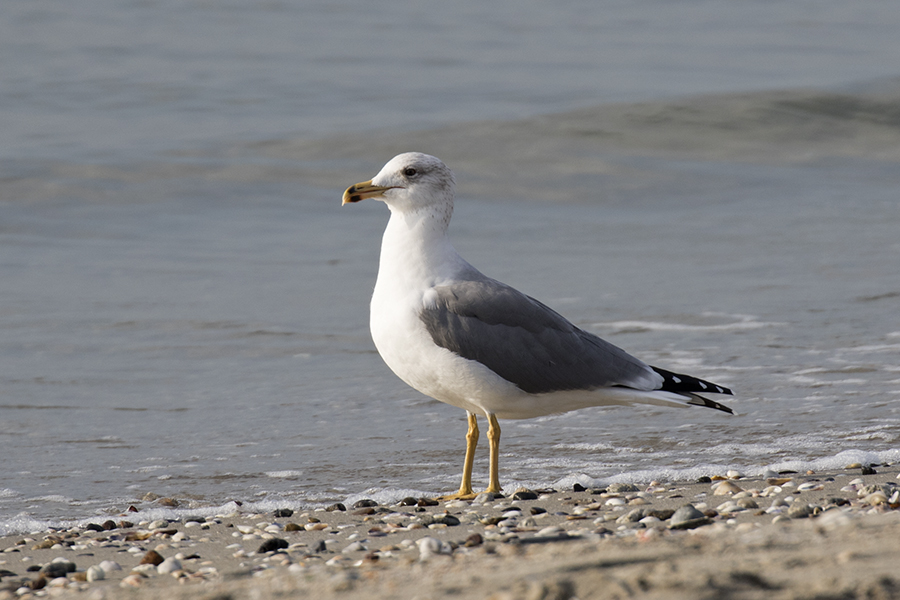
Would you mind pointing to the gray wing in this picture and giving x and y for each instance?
(527, 343)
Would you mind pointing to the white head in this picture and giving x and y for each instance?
(408, 183)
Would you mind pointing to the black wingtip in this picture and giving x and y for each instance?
(686, 384)
(690, 386)
(701, 401)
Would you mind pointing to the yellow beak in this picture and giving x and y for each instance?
(361, 191)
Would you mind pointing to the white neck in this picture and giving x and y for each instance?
(415, 249)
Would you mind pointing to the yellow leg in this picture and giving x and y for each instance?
(493, 435)
(465, 488)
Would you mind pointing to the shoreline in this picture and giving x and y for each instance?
(832, 534)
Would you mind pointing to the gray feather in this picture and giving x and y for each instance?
(527, 343)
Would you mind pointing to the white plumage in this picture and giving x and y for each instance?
(468, 340)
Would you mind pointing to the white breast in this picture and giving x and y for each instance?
(407, 348)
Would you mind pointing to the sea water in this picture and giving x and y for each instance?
(184, 302)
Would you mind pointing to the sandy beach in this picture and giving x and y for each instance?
(787, 535)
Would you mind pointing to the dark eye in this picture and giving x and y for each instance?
(409, 172)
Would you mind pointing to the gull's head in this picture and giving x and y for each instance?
(408, 182)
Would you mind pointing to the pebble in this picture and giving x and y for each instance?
(524, 494)
(272, 545)
(781, 519)
(874, 488)
(876, 498)
(728, 507)
(726, 487)
(833, 518)
(133, 580)
(57, 568)
(145, 568)
(778, 480)
(448, 520)
(354, 547)
(494, 524)
(430, 547)
(747, 503)
(622, 488)
(170, 565)
(810, 486)
(799, 510)
(152, 557)
(688, 517)
(632, 516)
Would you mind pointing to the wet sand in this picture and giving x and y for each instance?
(790, 535)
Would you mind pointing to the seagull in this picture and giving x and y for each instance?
(463, 338)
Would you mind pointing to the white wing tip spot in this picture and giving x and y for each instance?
(676, 380)
(703, 385)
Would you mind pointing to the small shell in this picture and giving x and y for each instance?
(133, 580)
(777, 480)
(728, 507)
(810, 486)
(876, 498)
(727, 487)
